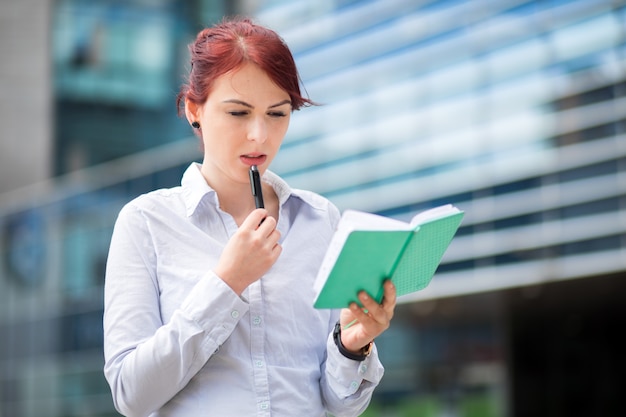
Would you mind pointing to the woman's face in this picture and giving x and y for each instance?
(243, 123)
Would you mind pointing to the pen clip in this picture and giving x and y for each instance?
(255, 183)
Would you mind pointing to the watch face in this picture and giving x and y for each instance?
(368, 349)
(24, 241)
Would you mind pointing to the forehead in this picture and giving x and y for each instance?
(247, 82)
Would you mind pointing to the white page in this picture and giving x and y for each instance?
(353, 220)
(433, 213)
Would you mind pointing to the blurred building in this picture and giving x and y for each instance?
(25, 93)
(512, 110)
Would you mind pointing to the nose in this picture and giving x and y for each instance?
(257, 130)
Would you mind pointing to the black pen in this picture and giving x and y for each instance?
(255, 183)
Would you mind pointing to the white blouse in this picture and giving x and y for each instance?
(179, 342)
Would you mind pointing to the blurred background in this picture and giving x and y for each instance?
(512, 110)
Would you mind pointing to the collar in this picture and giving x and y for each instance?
(195, 188)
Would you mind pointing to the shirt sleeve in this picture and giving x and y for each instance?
(148, 362)
(347, 384)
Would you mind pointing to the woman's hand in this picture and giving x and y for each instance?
(367, 325)
(250, 252)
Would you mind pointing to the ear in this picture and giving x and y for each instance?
(192, 111)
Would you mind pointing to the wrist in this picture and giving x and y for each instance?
(225, 277)
(360, 355)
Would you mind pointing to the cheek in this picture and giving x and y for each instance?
(278, 134)
(281, 127)
(221, 132)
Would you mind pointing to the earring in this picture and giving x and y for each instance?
(195, 125)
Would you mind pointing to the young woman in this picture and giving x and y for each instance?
(208, 300)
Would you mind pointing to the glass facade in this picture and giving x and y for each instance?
(117, 68)
(508, 109)
(512, 110)
(51, 292)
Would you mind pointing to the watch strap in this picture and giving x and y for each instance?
(365, 352)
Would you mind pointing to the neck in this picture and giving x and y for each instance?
(235, 198)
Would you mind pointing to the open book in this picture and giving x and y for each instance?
(367, 248)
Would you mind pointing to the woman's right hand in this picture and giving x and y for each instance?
(250, 252)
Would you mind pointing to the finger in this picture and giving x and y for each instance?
(272, 241)
(253, 221)
(372, 309)
(268, 227)
(367, 301)
(275, 238)
(381, 313)
(359, 313)
(389, 299)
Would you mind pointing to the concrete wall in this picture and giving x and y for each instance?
(26, 129)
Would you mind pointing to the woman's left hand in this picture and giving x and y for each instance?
(369, 321)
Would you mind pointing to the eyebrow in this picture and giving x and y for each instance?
(243, 103)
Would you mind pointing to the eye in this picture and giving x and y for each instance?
(238, 113)
(277, 114)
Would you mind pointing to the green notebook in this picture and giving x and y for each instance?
(367, 248)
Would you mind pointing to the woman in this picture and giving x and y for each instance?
(208, 300)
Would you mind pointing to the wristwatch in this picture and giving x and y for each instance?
(365, 351)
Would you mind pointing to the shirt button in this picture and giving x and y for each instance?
(234, 314)
(256, 320)
(259, 364)
(354, 385)
(264, 405)
(362, 368)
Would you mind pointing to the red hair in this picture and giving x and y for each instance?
(229, 45)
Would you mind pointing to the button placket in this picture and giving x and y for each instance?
(257, 345)
(362, 369)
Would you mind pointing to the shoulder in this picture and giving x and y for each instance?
(154, 204)
(305, 198)
(315, 200)
(319, 206)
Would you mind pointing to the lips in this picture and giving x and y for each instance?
(253, 159)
